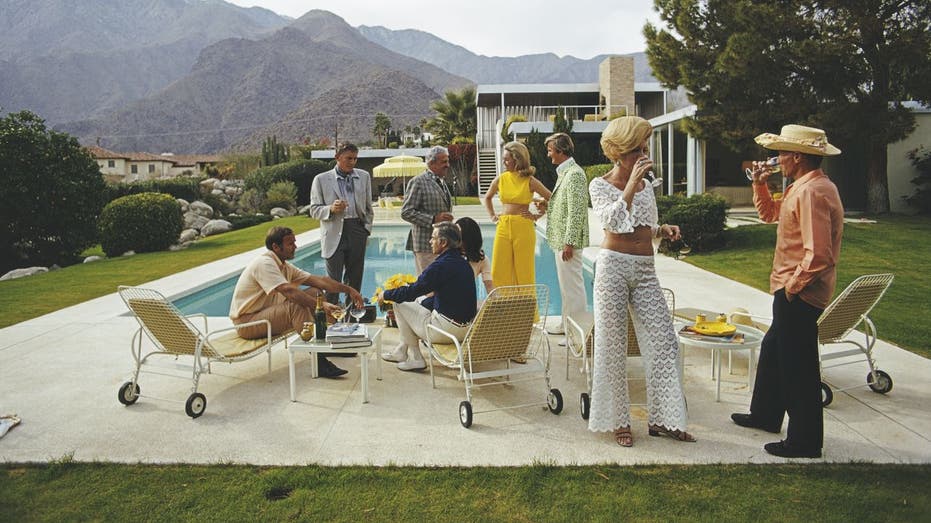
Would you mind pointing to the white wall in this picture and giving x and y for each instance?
(899, 168)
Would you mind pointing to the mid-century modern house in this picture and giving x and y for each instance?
(686, 164)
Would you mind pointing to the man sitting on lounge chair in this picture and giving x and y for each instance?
(269, 289)
(451, 308)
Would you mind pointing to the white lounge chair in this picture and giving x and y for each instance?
(171, 333)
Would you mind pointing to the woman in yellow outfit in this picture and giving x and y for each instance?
(512, 262)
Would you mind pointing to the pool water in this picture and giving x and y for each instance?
(384, 257)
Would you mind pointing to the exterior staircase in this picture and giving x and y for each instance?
(487, 169)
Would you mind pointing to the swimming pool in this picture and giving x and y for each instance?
(384, 257)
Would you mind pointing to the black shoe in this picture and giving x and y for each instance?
(339, 354)
(781, 449)
(325, 369)
(746, 420)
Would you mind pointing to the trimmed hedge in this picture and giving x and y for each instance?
(300, 172)
(241, 222)
(594, 171)
(180, 187)
(701, 217)
(143, 222)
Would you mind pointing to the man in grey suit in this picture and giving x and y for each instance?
(341, 199)
(427, 201)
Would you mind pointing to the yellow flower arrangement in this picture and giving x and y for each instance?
(393, 282)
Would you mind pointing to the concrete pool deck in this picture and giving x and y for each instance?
(61, 373)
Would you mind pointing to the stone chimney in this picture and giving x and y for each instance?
(616, 84)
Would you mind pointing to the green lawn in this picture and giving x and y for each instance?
(25, 298)
(818, 492)
(896, 244)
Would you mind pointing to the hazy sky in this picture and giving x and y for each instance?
(581, 28)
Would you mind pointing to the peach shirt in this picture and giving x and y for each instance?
(808, 237)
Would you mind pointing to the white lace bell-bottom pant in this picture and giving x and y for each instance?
(622, 279)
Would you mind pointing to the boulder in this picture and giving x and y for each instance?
(90, 259)
(232, 192)
(129, 253)
(216, 227)
(202, 209)
(188, 235)
(194, 221)
(208, 183)
(281, 212)
(217, 192)
(19, 273)
(185, 205)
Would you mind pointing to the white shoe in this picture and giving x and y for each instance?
(397, 356)
(556, 329)
(412, 365)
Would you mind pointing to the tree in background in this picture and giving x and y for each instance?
(546, 171)
(273, 152)
(560, 123)
(52, 192)
(461, 167)
(455, 119)
(382, 128)
(844, 66)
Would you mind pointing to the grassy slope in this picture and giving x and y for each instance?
(896, 244)
(25, 298)
(819, 492)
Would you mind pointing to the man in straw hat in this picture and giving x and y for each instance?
(808, 237)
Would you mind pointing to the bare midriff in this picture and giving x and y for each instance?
(638, 243)
(514, 208)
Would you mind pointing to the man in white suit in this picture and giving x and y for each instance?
(341, 199)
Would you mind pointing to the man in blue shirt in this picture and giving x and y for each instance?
(451, 308)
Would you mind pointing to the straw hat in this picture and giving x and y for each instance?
(799, 139)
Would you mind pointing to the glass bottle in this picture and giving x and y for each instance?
(320, 319)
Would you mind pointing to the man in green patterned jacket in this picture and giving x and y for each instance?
(567, 226)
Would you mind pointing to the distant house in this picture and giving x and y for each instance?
(130, 167)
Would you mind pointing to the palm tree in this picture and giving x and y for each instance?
(455, 116)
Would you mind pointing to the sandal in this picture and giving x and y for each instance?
(678, 435)
(623, 437)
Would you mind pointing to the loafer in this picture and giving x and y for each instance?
(398, 355)
(784, 450)
(412, 365)
(746, 420)
(325, 369)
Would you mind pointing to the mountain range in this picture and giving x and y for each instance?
(205, 76)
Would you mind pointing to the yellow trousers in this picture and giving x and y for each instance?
(513, 260)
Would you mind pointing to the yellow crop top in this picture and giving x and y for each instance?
(514, 188)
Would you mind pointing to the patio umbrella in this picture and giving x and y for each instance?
(402, 166)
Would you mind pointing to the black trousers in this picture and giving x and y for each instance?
(348, 262)
(788, 378)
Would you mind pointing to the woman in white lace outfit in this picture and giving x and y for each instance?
(624, 275)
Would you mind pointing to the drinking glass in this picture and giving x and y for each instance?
(770, 163)
(653, 179)
(338, 314)
(357, 312)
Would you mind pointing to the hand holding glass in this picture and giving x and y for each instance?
(772, 164)
(651, 176)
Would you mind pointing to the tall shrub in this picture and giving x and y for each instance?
(701, 217)
(141, 222)
(51, 193)
(921, 198)
(300, 172)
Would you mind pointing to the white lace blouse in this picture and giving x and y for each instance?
(610, 207)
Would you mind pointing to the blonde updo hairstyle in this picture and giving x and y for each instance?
(623, 135)
(522, 156)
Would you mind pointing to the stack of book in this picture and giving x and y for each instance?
(347, 336)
